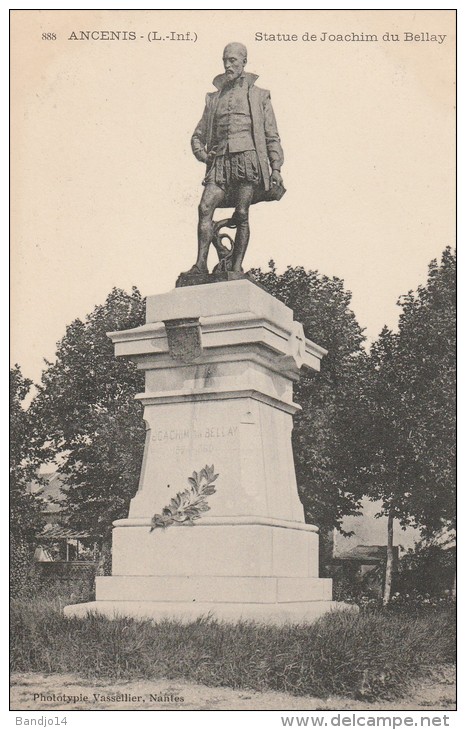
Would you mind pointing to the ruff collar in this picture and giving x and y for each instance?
(222, 79)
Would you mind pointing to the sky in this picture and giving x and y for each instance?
(105, 188)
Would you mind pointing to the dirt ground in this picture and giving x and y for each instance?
(432, 694)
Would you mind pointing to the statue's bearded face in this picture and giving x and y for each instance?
(234, 62)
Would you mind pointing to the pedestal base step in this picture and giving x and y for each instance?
(212, 589)
(272, 599)
(271, 613)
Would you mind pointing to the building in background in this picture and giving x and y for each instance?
(59, 548)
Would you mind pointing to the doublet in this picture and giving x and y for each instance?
(232, 122)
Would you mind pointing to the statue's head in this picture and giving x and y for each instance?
(235, 57)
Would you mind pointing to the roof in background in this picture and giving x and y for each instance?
(368, 554)
(50, 490)
(57, 532)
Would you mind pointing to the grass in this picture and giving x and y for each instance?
(370, 656)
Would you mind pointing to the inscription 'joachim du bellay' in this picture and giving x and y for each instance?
(210, 432)
(324, 36)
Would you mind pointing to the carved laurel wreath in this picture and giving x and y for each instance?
(187, 506)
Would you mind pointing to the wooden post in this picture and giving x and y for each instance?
(389, 565)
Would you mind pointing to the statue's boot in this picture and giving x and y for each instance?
(200, 267)
(195, 269)
(241, 243)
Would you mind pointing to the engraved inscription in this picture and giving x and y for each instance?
(184, 434)
(197, 439)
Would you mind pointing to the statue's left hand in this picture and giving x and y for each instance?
(276, 178)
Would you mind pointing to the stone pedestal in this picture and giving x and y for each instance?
(220, 360)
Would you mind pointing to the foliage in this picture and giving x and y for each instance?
(351, 585)
(328, 443)
(427, 350)
(187, 506)
(26, 454)
(426, 571)
(419, 586)
(21, 553)
(53, 592)
(411, 389)
(340, 654)
(86, 409)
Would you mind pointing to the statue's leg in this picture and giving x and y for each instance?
(241, 218)
(211, 199)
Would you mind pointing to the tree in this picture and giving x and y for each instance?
(427, 355)
(86, 410)
(391, 457)
(411, 430)
(26, 454)
(327, 436)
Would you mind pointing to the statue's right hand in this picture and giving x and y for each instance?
(211, 156)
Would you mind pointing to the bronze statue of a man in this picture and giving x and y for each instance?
(237, 139)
